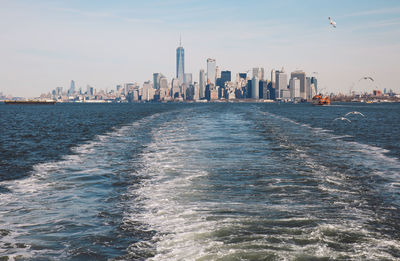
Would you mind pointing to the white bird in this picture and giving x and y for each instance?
(355, 112)
(333, 23)
(342, 119)
(367, 78)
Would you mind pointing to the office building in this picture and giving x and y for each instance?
(281, 83)
(59, 91)
(243, 75)
(211, 71)
(202, 84)
(164, 88)
(302, 77)
(263, 90)
(285, 94)
(148, 91)
(248, 90)
(294, 86)
(217, 72)
(89, 90)
(271, 92)
(273, 78)
(314, 81)
(128, 87)
(255, 88)
(180, 63)
(211, 92)
(225, 77)
(259, 73)
(196, 91)
(156, 80)
(72, 88)
(175, 90)
(308, 88)
(187, 79)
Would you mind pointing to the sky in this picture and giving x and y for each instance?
(47, 43)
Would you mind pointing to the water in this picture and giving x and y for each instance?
(223, 181)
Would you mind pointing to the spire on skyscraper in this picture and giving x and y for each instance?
(180, 61)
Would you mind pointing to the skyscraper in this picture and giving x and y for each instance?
(59, 91)
(264, 92)
(224, 77)
(273, 80)
(156, 80)
(148, 91)
(255, 92)
(281, 83)
(72, 87)
(211, 71)
(302, 77)
(294, 86)
(243, 75)
(315, 82)
(308, 88)
(217, 72)
(196, 93)
(259, 73)
(187, 78)
(180, 63)
(202, 84)
(163, 82)
(175, 90)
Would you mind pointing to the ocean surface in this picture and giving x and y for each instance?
(216, 181)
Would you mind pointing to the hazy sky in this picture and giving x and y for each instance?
(45, 44)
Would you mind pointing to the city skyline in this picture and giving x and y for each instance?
(103, 45)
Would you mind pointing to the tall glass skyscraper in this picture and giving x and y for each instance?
(180, 63)
(211, 71)
(255, 88)
(202, 84)
(72, 87)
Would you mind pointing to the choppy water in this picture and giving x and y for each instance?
(199, 182)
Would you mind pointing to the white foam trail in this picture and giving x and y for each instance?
(181, 232)
(170, 203)
(55, 191)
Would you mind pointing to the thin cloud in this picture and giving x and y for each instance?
(140, 20)
(376, 24)
(85, 13)
(374, 12)
(386, 23)
(109, 15)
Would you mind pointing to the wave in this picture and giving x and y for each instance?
(61, 201)
(192, 215)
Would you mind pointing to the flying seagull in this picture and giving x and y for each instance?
(333, 23)
(342, 119)
(367, 78)
(355, 112)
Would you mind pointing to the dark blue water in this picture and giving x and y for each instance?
(223, 181)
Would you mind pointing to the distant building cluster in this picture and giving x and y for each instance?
(213, 84)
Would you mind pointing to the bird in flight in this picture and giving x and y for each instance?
(342, 119)
(367, 78)
(355, 112)
(333, 23)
